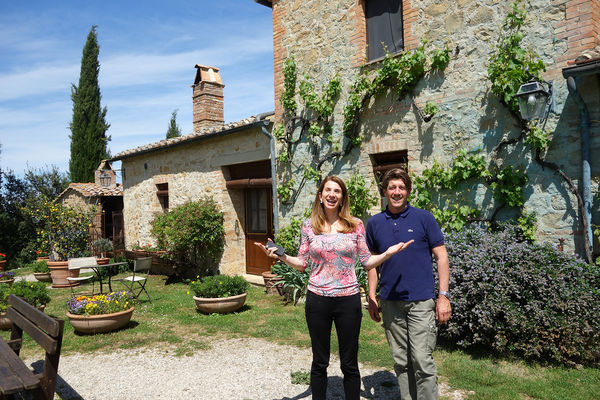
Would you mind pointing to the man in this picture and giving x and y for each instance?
(407, 286)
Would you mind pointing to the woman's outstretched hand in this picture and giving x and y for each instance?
(269, 252)
(398, 247)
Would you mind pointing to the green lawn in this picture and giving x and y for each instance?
(172, 321)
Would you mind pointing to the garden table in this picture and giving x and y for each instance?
(97, 267)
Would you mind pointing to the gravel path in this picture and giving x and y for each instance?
(231, 369)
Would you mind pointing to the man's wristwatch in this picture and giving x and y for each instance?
(444, 293)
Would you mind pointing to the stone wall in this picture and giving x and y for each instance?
(324, 38)
(192, 172)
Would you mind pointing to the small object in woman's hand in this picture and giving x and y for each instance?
(280, 250)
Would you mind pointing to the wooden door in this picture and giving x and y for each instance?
(259, 227)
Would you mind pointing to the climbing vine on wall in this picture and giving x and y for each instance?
(510, 67)
(312, 122)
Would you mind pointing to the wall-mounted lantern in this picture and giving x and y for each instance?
(536, 100)
(105, 179)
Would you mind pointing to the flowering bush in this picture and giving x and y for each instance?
(145, 247)
(527, 300)
(6, 275)
(41, 253)
(35, 293)
(65, 231)
(101, 303)
(219, 286)
(2, 256)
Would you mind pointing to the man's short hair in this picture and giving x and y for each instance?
(393, 174)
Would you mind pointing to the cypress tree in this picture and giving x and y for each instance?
(88, 127)
(174, 130)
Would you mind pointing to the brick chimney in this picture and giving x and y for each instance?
(207, 97)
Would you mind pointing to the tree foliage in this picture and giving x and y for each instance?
(174, 129)
(88, 127)
(19, 197)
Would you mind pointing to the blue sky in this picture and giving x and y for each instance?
(148, 50)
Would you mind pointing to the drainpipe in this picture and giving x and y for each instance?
(261, 117)
(585, 158)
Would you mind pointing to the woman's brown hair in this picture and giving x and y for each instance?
(317, 216)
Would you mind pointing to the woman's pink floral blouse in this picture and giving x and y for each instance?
(332, 258)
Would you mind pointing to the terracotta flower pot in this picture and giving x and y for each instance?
(59, 271)
(271, 283)
(221, 305)
(9, 282)
(2, 265)
(102, 260)
(43, 276)
(100, 323)
(43, 259)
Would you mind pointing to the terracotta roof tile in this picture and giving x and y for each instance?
(91, 189)
(206, 131)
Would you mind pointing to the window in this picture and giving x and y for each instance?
(384, 27)
(162, 192)
(257, 204)
(383, 162)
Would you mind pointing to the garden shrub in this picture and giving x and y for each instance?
(219, 286)
(193, 236)
(522, 299)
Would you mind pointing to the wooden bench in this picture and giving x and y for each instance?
(15, 376)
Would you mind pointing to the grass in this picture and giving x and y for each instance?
(171, 322)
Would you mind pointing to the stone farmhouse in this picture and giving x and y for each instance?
(229, 162)
(329, 39)
(243, 164)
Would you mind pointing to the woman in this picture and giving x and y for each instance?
(331, 241)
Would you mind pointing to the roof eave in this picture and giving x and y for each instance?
(588, 68)
(193, 139)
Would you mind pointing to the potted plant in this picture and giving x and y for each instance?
(7, 277)
(41, 271)
(273, 282)
(100, 313)
(219, 293)
(42, 255)
(2, 261)
(103, 245)
(66, 232)
(294, 282)
(35, 293)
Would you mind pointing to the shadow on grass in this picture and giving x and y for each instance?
(244, 308)
(130, 325)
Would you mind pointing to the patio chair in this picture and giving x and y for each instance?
(77, 263)
(136, 283)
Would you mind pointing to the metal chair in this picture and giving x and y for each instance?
(141, 270)
(78, 263)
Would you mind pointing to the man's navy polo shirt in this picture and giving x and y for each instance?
(408, 275)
